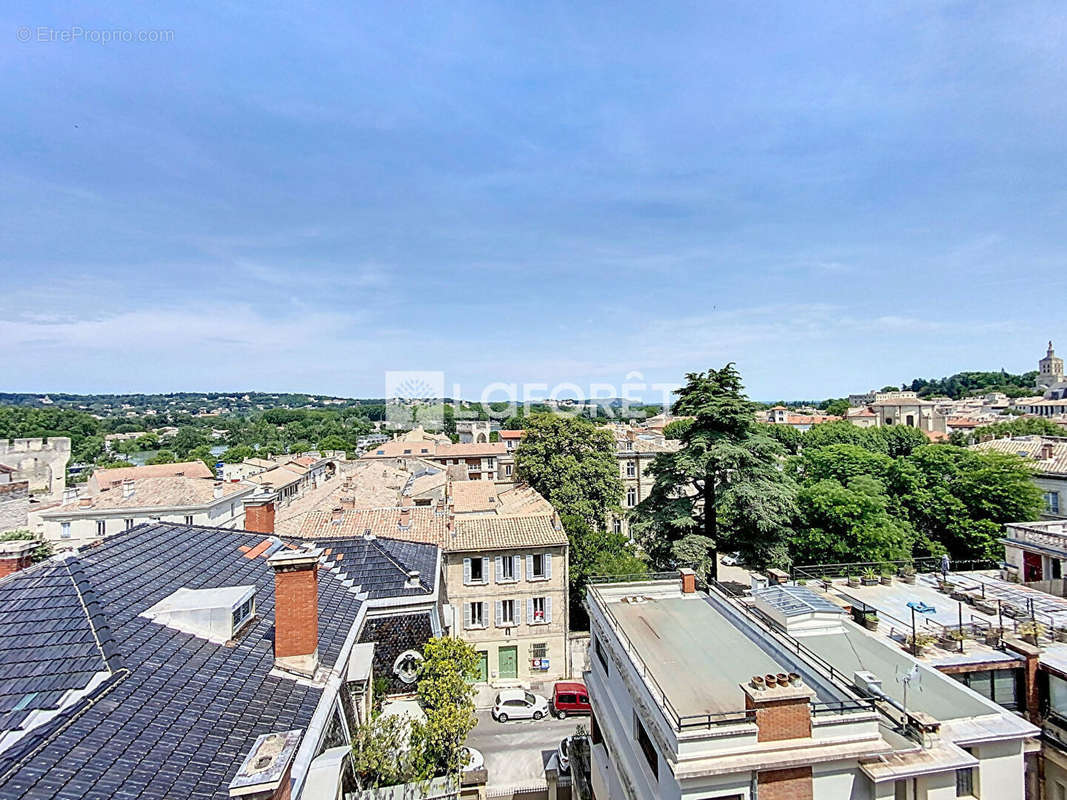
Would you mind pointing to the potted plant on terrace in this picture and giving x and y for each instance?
(918, 644)
(870, 576)
(993, 636)
(854, 581)
(907, 574)
(951, 637)
(870, 621)
(1031, 631)
(887, 576)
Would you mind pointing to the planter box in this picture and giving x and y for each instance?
(854, 582)
(870, 623)
(887, 580)
(984, 607)
(870, 581)
(908, 579)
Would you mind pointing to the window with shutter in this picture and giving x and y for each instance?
(548, 566)
(499, 569)
(467, 570)
(467, 615)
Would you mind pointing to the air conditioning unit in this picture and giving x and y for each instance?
(868, 683)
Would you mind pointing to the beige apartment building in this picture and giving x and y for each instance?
(635, 450)
(504, 564)
(481, 461)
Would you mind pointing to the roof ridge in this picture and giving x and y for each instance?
(94, 613)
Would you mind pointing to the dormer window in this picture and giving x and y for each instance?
(243, 613)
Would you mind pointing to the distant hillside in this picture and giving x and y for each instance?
(968, 384)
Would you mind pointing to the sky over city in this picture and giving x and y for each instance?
(288, 197)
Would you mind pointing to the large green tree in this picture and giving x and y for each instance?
(572, 463)
(725, 482)
(595, 552)
(848, 522)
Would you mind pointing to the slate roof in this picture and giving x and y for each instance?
(178, 713)
(62, 648)
(380, 566)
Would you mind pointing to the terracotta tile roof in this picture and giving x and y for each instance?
(277, 477)
(424, 524)
(471, 449)
(959, 422)
(166, 492)
(116, 475)
(511, 434)
(1030, 447)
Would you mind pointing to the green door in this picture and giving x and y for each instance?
(483, 667)
(509, 662)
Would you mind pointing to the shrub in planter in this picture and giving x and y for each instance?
(993, 636)
(887, 577)
(870, 577)
(853, 581)
(921, 642)
(951, 637)
(1031, 631)
(907, 574)
(870, 622)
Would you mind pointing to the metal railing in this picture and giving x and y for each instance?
(855, 569)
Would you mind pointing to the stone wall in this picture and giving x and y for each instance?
(43, 463)
(14, 506)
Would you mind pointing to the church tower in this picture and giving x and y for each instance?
(1050, 370)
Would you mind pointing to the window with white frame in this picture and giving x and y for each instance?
(475, 615)
(631, 496)
(64, 530)
(508, 569)
(490, 463)
(475, 570)
(129, 524)
(188, 519)
(631, 469)
(506, 613)
(507, 470)
(616, 525)
(1052, 502)
(540, 610)
(101, 527)
(538, 566)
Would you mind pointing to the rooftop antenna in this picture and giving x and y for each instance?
(908, 678)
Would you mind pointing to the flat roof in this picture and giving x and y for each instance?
(698, 650)
(697, 657)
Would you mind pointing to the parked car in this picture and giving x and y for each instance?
(563, 754)
(471, 759)
(570, 697)
(519, 704)
(732, 559)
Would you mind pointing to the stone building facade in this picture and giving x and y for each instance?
(14, 501)
(42, 463)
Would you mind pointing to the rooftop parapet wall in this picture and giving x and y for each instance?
(42, 462)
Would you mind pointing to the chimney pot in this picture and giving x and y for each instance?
(85, 502)
(128, 488)
(218, 489)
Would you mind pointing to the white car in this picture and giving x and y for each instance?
(731, 559)
(563, 754)
(471, 759)
(519, 704)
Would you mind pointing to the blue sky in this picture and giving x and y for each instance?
(289, 197)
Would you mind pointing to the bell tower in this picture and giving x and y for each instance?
(1050, 369)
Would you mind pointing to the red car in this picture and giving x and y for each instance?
(570, 698)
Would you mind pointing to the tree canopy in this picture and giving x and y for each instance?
(572, 463)
(724, 483)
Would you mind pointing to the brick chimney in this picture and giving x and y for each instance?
(782, 706)
(296, 610)
(267, 770)
(1046, 451)
(259, 513)
(689, 580)
(348, 502)
(16, 554)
